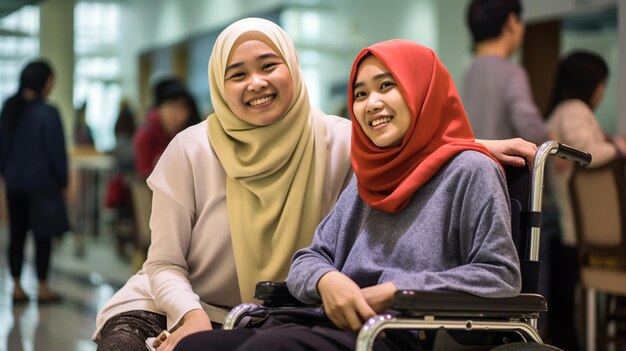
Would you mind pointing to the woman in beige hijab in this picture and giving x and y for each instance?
(236, 195)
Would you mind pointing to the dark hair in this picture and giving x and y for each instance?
(486, 18)
(168, 89)
(125, 123)
(171, 88)
(577, 77)
(33, 77)
(194, 115)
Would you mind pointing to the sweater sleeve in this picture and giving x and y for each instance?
(489, 264)
(310, 264)
(171, 224)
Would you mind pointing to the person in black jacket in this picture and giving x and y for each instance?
(33, 162)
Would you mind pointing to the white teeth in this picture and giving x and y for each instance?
(380, 121)
(261, 100)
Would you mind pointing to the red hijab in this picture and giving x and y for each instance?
(388, 177)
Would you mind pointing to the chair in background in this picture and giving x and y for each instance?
(598, 199)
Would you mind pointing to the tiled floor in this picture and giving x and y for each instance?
(85, 279)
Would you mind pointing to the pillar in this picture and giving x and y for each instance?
(56, 43)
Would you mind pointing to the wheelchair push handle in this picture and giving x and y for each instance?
(553, 148)
(572, 154)
(549, 148)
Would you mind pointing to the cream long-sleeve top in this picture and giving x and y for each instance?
(190, 263)
(574, 124)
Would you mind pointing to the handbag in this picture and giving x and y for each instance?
(117, 191)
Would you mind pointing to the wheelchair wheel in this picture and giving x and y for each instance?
(525, 346)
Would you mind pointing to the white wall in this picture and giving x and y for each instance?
(454, 39)
(604, 44)
(539, 10)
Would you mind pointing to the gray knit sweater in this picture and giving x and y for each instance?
(455, 234)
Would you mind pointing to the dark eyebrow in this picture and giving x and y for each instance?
(234, 65)
(261, 57)
(268, 55)
(376, 77)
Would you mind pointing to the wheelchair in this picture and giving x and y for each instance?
(502, 323)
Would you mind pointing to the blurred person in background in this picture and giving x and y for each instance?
(124, 131)
(33, 162)
(118, 193)
(82, 132)
(174, 110)
(496, 93)
(579, 87)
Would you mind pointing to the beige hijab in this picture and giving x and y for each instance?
(275, 172)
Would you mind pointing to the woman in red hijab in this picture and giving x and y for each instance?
(426, 210)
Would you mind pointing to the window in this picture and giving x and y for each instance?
(97, 69)
(19, 42)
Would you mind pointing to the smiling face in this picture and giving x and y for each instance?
(379, 106)
(257, 83)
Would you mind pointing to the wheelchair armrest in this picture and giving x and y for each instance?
(414, 302)
(275, 294)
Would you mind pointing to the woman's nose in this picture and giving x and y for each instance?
(373, 104)
(257, 83)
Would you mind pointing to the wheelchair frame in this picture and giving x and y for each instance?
(449, 310)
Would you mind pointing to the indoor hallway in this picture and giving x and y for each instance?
(85, 276)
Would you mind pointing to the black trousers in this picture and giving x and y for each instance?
(19, 206)
(277, 336)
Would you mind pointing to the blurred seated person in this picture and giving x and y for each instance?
(174, 110)
(124, 131)
(579, 87)
(117, 196)
(82, 133)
